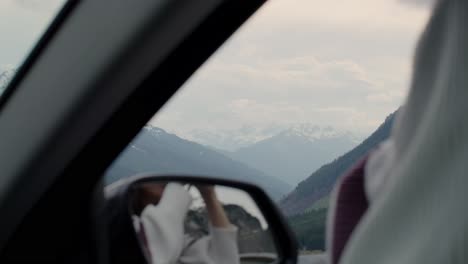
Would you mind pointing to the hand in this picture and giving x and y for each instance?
(151, 193)
(206, 191)
(215, 209)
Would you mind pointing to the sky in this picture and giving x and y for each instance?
(22, 22)
(343, 63)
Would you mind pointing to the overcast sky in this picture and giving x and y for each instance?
(344, 63)
(22, 22)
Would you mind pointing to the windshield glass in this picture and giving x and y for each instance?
(22, 23)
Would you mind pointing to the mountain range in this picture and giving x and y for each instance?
(293, 154)
(156, 151)
(306, 207)
(275, 163)
(282, 154)
(312, 193)
(230, 140)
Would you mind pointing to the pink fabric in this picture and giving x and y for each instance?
(351, 203)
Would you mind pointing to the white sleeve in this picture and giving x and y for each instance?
(164, 224)
(220, 246)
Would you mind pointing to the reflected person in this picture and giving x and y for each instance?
(160, 211)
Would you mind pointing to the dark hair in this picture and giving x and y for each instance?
(124, 246)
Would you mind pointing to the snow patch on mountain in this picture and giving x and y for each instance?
(232, 140)
(155, 131)
(313, 132)
(5, 77)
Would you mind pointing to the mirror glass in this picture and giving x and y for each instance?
(192, 223)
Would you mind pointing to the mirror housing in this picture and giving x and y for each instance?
(127, 245)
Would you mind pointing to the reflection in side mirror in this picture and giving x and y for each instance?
(199, 220)
(200, 223)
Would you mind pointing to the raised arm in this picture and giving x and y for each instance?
(220, 246)
(215, 209)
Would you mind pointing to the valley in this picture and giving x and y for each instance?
(297, 167)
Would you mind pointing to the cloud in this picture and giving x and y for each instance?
(357, 15)
(419, 3)
(22, 22)
(39, 5)
(305, 73)
(340, 93)
(339, 63)
(380, 98)
(7, 67)
(250, 111)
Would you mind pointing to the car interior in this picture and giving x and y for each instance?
(94, 79)
(90, 87)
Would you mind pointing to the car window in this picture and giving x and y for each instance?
(302, 91)
(22, 23)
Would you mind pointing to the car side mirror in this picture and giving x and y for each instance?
(177, 219)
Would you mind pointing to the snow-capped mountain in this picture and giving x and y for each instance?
(288, 152)
(5, 77)
(293, 154)
(154, 131)
(315, 133)
(231, 140)
(235, 139)
(154, 150)
(314, 191)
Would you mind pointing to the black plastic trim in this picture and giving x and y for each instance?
(74, 239)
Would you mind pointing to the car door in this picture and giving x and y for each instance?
(98, 74)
